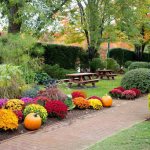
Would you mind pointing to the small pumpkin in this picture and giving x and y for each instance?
(32, 121)
(107, 101)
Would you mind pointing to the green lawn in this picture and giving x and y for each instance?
(134, 138)
(101, 89)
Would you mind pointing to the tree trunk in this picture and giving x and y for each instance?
(139, 50)
(14, 19)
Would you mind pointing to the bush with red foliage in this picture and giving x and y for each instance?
(129, 94)
(137, 91)
(56, 109)
(78, 93)
(53, 93)
(41, 100)
(19, 114)
(116, 93)
(95, 97)
(120, 88)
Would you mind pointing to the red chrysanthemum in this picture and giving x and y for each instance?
(120, 88)
(56, 109)
(78, 93)
(129, 94)
(19, 114)
(41, 100)
(116, 93)
(95, 97)
(137, 91)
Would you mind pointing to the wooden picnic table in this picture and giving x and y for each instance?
(82, 79)
(106, 73)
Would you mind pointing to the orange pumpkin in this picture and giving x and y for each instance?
(107, 101)
(32, 121)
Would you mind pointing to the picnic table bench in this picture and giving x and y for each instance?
(106, 73)
(82, 79)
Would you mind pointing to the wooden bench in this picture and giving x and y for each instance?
(111, 76)
(93, 81)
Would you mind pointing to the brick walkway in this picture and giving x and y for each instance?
(80, 133)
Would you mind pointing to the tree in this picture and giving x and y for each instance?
(133, 20)
(95, 16)
(17, 10)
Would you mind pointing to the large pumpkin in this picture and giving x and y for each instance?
(32, 121)
(107, 101)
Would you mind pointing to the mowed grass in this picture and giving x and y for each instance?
(102, 87)
(134, 138)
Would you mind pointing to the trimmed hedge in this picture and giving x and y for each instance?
(96, 63)
(137, 78)
(56, 72)
(124, 55)
(136, 65)
(64, 56)
(111, 64)
(121, 55)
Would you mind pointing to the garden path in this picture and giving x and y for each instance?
(80, 133)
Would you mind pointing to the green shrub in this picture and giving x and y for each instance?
(36, 108)
(42, 78)
(128, 63)
(121, 55)
(95, 64)
(137, 78)
(32, 92)
(111, 64)
(17, 49)
(64, 56)
(11, 81)
(56, 71)
(136, 65)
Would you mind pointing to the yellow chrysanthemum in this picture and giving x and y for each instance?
(95, 104)
(8, 119)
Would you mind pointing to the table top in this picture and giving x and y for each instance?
(80, 74)
(104, 71)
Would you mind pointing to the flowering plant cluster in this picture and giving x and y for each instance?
(56, 109)
(2, 102)
(78, 93)
(120, 88)
(36, 108)
(95, 104)
(116, 93)
(8, 120)
(81, 103)
(95, 97)
(14, 104)
(137, 92)
(27, 100)
(120, 92)
(19, 114)
(53, 93)
(129, 94)
(41, 100)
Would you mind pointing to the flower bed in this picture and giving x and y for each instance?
(41, 106)
(121, 93)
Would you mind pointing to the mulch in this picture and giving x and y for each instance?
(72, 115)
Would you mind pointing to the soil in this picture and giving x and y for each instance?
(72, 115)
